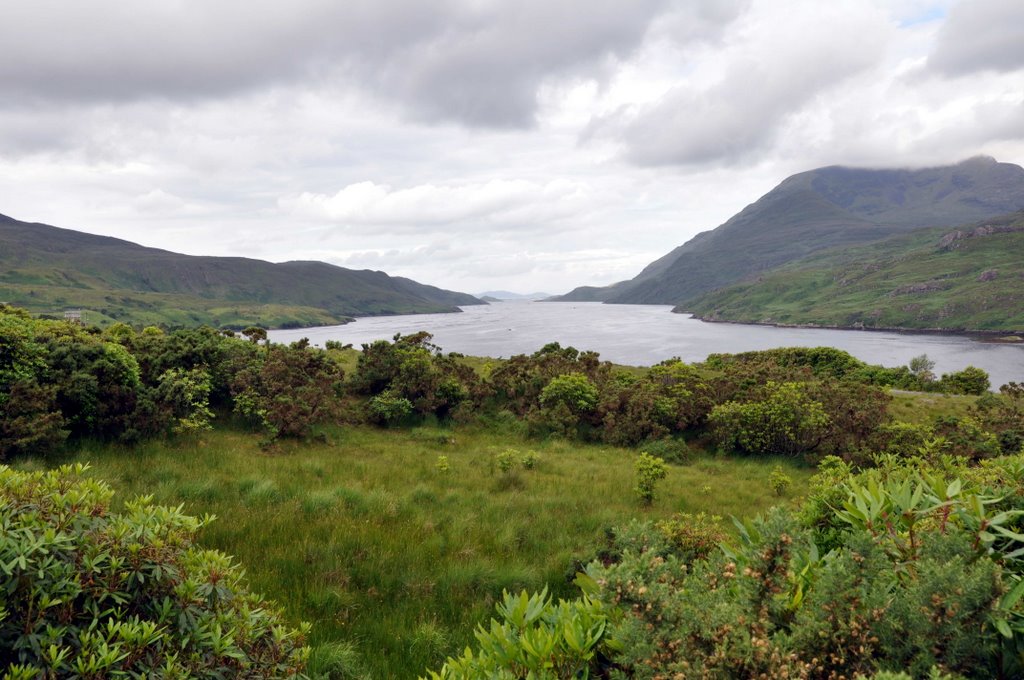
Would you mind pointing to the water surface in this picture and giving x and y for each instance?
(642, 335)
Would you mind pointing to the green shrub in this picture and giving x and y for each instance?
(971, 380)
(388, 409)
(649, 471)
(693, 537)
(91, 593)
(779, 481)
(534, 638)
(530, 460)
(506, 460)
(785, 420)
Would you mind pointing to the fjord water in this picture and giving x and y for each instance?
(642, 335)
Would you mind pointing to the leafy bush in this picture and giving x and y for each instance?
(91, 593)
(784, 421)
(971, 380)
(534, 638)
(692, 537)
(289, 390)
(649, 471)
(530, 459)
(506, 460)
(779, 481)
(388, 409)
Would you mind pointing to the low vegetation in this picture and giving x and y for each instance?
(390, 496)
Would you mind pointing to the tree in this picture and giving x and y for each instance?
(921, 366)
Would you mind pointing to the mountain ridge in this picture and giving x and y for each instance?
(815, 210)
(967, 279)
(43, 265)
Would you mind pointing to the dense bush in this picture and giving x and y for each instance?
(289, 389)
(90, 593)
(412, 368)
(784, 420)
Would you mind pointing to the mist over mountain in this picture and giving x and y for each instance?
(818, 209)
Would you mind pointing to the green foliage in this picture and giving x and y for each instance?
(413, 369)
(186, 394)
(90, 593)
(289, 390)
(506, 460)
(534, 638)
(970, 380)
(442, 464)
(779, 481)
(574, 390)
(388, 409)
(530, 459)
(692, 536)
(922, 367)
(785, 421)
(649, 471)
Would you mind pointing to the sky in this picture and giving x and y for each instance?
(525, 145)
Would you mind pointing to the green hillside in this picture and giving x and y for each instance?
(817, 210)
(47, 269)
(970, 278)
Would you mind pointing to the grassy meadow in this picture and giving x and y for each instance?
(394, 560)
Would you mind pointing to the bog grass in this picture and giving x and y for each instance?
(394, 560)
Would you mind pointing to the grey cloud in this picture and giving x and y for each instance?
(770, 78)
(477, 63)
(980, 35)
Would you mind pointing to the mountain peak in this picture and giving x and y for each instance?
(817, 209)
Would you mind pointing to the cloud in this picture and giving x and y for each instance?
(478, 63)
(980, 35)
(778, 62)
(512, 203)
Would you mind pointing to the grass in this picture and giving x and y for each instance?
(923, 407)
(394, 561)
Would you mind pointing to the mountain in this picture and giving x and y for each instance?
(816, 210)
(508, 295)
(970, 278)
(46, 269)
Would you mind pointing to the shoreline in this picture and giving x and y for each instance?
(1004, 337)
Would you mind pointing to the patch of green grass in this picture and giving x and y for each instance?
(923, 407)
(394, 562)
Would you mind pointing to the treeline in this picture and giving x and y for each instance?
(61, 381)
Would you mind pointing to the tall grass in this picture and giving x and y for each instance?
(395, 561)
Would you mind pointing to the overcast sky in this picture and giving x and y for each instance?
(479, 144)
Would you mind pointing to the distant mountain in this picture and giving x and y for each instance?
(46, 268)
(815, 210)
(507, 295)
(969, 278)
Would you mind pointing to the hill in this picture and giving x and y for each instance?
(971, 278)
(817, 210)
(503, 295)
(47, 269)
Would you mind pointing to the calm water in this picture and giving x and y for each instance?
(642, 335)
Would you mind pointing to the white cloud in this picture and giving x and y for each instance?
(518, 203)
(478, 144)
